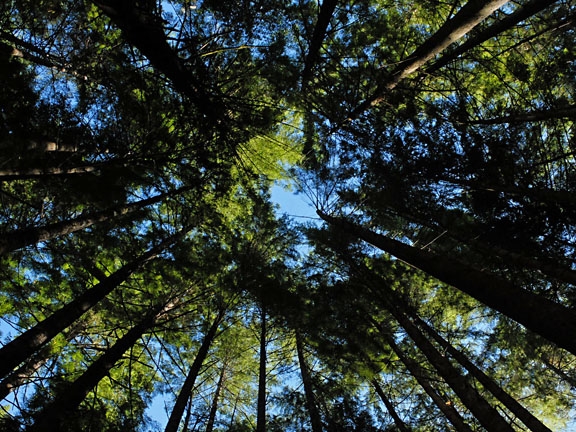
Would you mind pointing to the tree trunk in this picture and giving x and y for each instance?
(64, 405)
(402, 427)
(188, 386)
(470, 15)
(568, 111)
(326, 11)
(486, 414)
(563, 197)
(489, 384)
(468, 235)
(24, 237)
(418, 373)
(214, 407)
(143, 30)
(520, 14)
(562, 374)
(23, 174)
(315, 420)
(261, 408)
(21, 348)
(21, 375)
(538, 314)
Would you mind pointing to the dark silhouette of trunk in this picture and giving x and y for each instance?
(562, 374)
(488, 383)
(538, 314)
(470, 15)
(315, 420)
(568, 111)
(468, 234)
(144, 30)
(486, 414)
(261, 408)
(188, 386)
(402, 427)
(326, 11)
(563, 197)
(445, 406)
(526, 11)
(24, 237)
(214, 407)
(21, 348)
(52, 416)
(21, 375)
(30, 173)
(491, 250)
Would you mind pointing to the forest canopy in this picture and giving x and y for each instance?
(149, 282)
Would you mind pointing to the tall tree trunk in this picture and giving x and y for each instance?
(467, 234)
(261, 408)
(402, 427)
(143, 29)
(565, 198)
(24, 237)
(538, 314)
(23, 174)
(468, 17)
(326, 11)
(188, 386)
(523, 12)
(562, 374)
(65, 403)
(418, 373)
(489, 384)
(214, 407)
(486, 414)
(21, 348)
(315, 420)
(567, 111)
(23, 374)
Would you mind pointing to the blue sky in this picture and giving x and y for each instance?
(296, 206)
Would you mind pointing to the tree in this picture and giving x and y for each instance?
(186, 389)
(32, 340)
(517, 303)
(124, 124)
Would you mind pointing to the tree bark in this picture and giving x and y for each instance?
(468, 17)
(526, 11)
(467, 234)
(568, 111)
(21, 375)
(25, 237)
(418, 373)
(551, 320)
(21, 348)
(64, 405)
(188, 386)
(143, 29)
(23, 174)
(486, 414)
(326, 11)
(315, 420)
(214, 407)
(261, 408)
(402, 427)
(489, 384)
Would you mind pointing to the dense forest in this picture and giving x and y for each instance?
(149, 281)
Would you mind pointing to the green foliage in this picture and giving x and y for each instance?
(105, 104)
